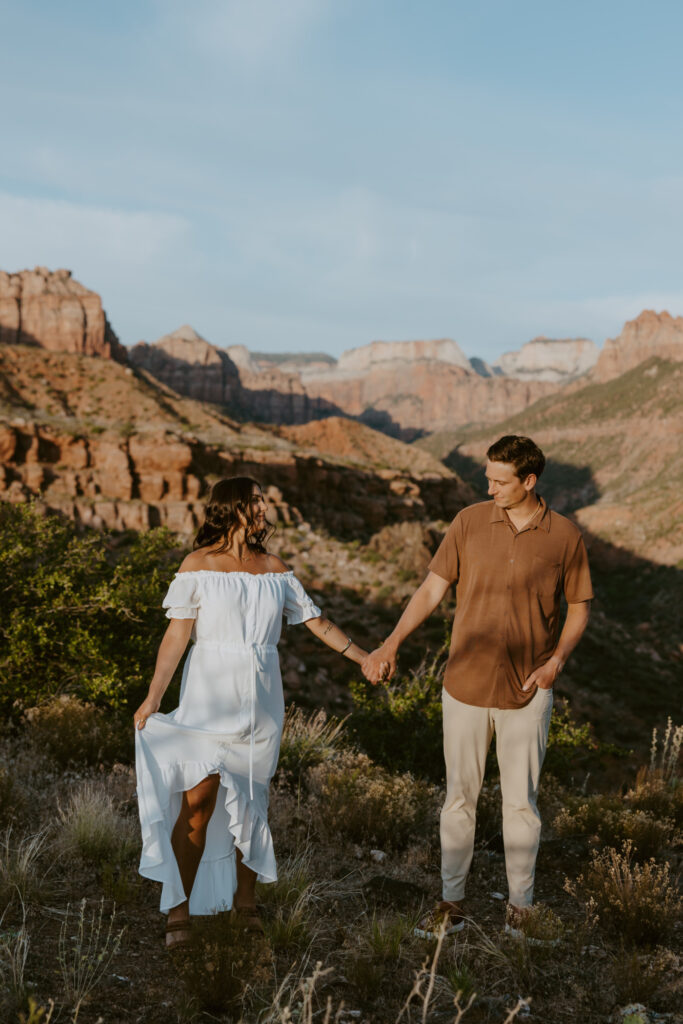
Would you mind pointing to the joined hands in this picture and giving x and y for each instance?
(379, 666)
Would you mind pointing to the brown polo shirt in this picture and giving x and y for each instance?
(508, 590)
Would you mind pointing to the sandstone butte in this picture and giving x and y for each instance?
(551, 359)
(650, 334)
(50, 309)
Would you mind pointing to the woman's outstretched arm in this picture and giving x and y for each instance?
(336, 638)
(171, 650)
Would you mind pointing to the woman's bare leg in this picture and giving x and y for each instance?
(188, 839)
(245, 895)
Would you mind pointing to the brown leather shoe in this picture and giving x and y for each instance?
(248, 918)
(446, 912)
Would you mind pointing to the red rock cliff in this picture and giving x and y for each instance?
(50, 309)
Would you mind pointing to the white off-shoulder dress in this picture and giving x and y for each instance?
(228, 721)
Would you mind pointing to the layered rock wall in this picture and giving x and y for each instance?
(156, 478)
(50, 309)
(191, 366)
(650, 334)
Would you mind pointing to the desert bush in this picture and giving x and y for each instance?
(657, 797)
(308, 738)
(71, 731)
(359, 801)
(659, 787)
(541, 925)
(399, 724)
(634, 902)
(605, 821)
(93, 828)
(641, 977)
(81, 611)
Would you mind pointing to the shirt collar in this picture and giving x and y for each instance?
(542, 520)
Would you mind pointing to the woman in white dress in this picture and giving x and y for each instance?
(204, 769)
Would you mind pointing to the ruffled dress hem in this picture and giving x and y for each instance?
(216, 876)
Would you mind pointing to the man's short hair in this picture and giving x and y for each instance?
(520, 452)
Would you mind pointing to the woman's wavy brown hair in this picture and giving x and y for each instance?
(227, 499)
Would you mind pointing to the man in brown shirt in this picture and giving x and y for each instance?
(511, 560)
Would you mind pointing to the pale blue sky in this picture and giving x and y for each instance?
(316, 174)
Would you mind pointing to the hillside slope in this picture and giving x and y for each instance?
(615, 456)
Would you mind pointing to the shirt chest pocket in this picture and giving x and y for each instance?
(544, 575)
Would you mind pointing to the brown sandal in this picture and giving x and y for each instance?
(178, 926)
(249, 919)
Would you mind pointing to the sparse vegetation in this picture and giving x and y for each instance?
(358, 801)
(354, 814)
(88, 943)
(92, 828)
(637, 903)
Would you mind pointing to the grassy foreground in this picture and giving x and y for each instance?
(354, 813)
(81, 938)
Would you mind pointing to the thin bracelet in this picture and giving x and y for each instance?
(345, 649)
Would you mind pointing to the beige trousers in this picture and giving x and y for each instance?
(521, 740)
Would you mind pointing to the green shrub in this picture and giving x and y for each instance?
(360, 802)
(81, 611)
(400, 726)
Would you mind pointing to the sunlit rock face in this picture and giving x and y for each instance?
(190, 365)
(650, 334)
(52, 310)
(556, 360)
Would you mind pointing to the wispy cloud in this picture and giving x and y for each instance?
(62, 233)
(250, 31)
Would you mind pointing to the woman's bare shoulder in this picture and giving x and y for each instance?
(193, 562)
(275, 564)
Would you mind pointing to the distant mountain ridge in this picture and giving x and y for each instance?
(405, 388)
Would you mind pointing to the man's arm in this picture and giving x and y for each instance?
(572, 631)
(421, 605)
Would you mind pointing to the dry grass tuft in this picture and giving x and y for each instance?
(87, 946)
(92, 827)
(308, 739)
(22, 874)
(14, 945)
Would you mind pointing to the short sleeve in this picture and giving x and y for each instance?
(446, 561)
(182, 597)
(298, 605)
(577, 576)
